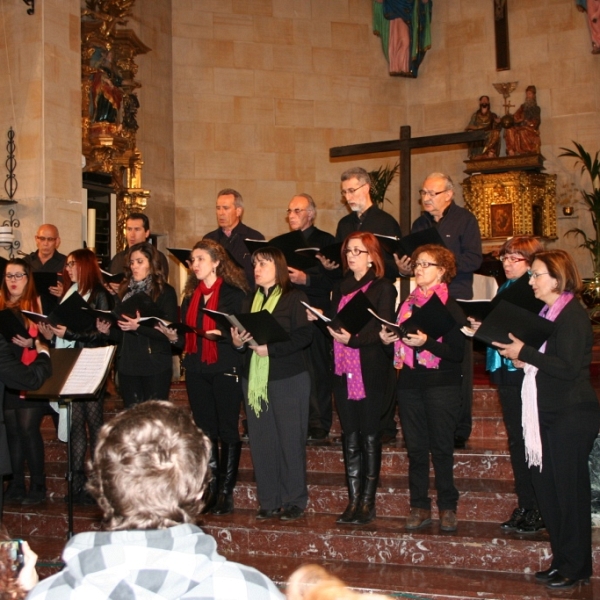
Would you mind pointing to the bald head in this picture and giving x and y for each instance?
(47, 241)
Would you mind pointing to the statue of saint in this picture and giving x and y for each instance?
(485, 119)
(592, 8)
(524, 136)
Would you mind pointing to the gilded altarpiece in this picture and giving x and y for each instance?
(110, 104)
(512, 203)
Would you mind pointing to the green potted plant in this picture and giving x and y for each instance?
(591, 167)
(381, 179)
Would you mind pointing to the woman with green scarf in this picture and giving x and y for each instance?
(276, 388)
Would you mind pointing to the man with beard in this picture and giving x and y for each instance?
(485, 119)
(524, 136)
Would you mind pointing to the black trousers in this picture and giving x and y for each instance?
(320, 361)
(278, 442)
(510, 399)
(215, 400)
(139, 388)
(363, 415)
(465, 419)
(563, 485)
(428, 416)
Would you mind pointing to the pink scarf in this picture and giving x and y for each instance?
(347, 360)
(529, 416)
(405, 355)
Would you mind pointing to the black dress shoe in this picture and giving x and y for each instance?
(559, 582)
(291, 513)
(544, 576)
(532, 522)
(267, 513)
(460, 442)
(515, 520)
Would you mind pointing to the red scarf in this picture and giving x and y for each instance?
(210, 353)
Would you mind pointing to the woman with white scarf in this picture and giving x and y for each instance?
(561, 417)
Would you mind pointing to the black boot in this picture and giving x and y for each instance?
(353, 464)
(230, 461)
(212, 490)
(15, 492)
(37, 490)
(371, 449)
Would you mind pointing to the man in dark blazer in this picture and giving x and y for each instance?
(15, 374)
(316, 284)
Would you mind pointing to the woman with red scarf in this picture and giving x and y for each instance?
(212, 365)
(429, 390)
(361, 374)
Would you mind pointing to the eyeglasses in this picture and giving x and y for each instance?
(536, 275)
(41, 238)
(423, 264)
(296, 211)
(355, 251)
(351, 191)
(17, 276)
(430, 193)
(71, 264)
(511, 259)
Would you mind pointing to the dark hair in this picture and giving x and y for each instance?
(29, 299)
(371, 243)
(227, 269)
(525, 245)
(89, 272)
(156, 272)
(442, 257)
(562, 267)
(138, 216)
(484, 96)
(282, 277)
(150, 468)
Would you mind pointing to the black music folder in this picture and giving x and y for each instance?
(11, 325)
(182, 255)
(476, 309)
(332, 252)
(262, 325)
(44, 281)
(355, 315)
(112, 277)
(406, 245)
(69, 313)
(288, 243)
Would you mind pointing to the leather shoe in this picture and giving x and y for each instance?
(291, 513)
(515, 520)
(532, 522)
(267, 513)
(448, 520)
(419, 517)
(544, 576)
(559, 582)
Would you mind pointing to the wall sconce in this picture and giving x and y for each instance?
(7, 236)
(10, 185)
(31, 4)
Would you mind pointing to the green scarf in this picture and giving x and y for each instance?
(258, 378)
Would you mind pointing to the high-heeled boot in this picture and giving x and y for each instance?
(212, 489)
(230, 461)
(371, 451)
(353, 464)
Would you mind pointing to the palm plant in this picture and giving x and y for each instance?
(380, 181)
(591, 167)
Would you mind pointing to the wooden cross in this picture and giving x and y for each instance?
(405, 144)
(501, 35)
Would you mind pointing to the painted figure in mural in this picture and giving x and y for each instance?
(405, 30)
(524, 136)
(592, 8)
(487, 120)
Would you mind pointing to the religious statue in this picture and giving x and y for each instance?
(106, 94)
(405, 30)
(524, 136)
(592, 8)
(485, 119)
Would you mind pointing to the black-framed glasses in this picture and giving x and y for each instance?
(430, 193)
(355, 251)
(41, 238)
(296, 211)
(351, 191)
(423, 264)
(15, 276)
(71, 264)
(511, 259)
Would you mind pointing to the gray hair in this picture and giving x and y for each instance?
(312, 207)
(238, 201)
(358, 172)
(446, 178)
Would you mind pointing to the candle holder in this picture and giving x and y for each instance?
(7, 236)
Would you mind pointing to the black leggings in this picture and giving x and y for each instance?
(90, 413)
(25, 441)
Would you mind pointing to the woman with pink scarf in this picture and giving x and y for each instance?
(561, 418)
(429, 390)
(362, 370)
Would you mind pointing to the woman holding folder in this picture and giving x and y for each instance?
(23, 417)
(212, 366)
(82, 276)
(144, 357)
(276, 388)
(361, 373)
(561, 417)
(429, 389)
(515, 255)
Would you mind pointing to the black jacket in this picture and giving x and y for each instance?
(99, 299)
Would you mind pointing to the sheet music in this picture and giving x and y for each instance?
(88, 372)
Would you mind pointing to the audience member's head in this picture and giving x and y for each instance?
(149, 469)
